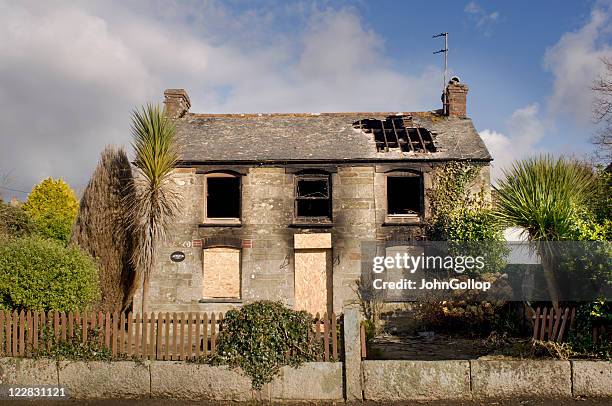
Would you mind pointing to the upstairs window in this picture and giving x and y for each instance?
(404, 195)
(222, 198)
(313, 198)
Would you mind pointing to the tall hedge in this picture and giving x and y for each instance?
(42, 274)
(101, 230)
(53, 206)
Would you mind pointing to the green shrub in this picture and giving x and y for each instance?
(589, 315)
(42, 274)
(53, 206)
(264, 336)
(15, 222)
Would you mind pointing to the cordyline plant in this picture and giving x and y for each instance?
(543, 196)
(154, 203)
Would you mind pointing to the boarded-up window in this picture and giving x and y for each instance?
(221, 273)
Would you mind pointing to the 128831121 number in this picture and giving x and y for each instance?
(35, 391)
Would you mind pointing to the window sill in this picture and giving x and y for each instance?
(221, 300)
(306, 224)
(221, 224)
(403, 221)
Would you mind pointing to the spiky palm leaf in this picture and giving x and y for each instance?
(154, 203)
(542, 196)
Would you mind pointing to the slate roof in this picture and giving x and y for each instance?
(331, 137)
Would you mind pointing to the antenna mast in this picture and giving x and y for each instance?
(445, 51)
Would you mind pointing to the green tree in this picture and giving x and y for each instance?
(42, 274)
(53, 206)
(543, 196)
(101, 229)
(154, 203)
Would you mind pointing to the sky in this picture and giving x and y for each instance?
(72, 72)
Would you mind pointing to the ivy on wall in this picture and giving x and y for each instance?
(262, 337)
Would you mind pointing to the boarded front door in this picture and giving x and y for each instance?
(313, 273)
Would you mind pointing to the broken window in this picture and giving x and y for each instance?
(404, 195)
(397, 132)
(221, 273)
(222, 196)
(313, 197)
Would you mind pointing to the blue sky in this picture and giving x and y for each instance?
(72, 71)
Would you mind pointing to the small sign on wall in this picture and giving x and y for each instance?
(177, 256)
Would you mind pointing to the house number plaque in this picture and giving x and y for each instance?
(177, 256)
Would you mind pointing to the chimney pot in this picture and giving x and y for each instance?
(176, 102)
(456, 98)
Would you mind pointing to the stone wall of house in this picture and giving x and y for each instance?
(267, 235)
(354, 221)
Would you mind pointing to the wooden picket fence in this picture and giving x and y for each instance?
(551, 324)
(160, 336)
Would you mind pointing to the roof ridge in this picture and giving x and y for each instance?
(328, 114)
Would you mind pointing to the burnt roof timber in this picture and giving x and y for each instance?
(382, 126)
(421, 139)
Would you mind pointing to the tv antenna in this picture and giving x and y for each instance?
(445, 51)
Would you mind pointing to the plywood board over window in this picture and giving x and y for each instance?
(313, 273)
(221, 273)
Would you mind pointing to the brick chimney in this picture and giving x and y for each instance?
(176, 102)
(456, 97)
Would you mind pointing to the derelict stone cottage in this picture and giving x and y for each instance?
(275, 206)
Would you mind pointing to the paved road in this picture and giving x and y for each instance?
(534, 402)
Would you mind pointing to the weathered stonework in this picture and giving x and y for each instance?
(178, 380)
(266, 151)
(24, 371)
(270, 240)
(521, 378)
(416, 380)
(592, 378)
(104, 380)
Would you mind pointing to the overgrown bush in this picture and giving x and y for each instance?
(42, 274)
(53, 206)
(588, 316)
(464, 311)
(264, 336)
(15, 222)
(463, 217)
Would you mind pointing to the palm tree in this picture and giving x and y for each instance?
(542, 195)
(154, 203)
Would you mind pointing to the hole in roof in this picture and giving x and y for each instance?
(399, 133)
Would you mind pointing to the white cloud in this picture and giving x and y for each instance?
(575, 61)
(525, 129)
(483, 20)
(72, 72)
